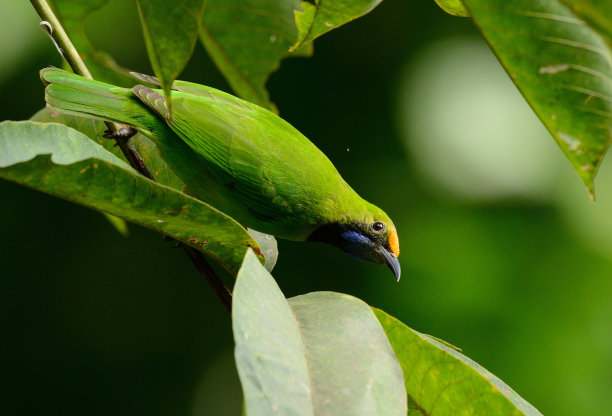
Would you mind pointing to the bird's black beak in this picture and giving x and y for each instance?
(392, 262)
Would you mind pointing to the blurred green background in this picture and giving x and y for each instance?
(503, 254)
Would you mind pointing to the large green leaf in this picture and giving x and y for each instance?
(170, 30)
(62, 162)
(441, 381)
(94, 129)
(72, 15)
(319, 354)
(561, 66)
(247, 40)
(162, 173)
(320, 17)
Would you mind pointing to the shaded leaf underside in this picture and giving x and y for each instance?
(170, 30)
(247, 40)
(561, 66)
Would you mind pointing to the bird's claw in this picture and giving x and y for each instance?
(122, 133)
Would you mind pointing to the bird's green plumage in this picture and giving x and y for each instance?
(237, 156)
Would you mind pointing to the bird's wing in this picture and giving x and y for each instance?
(224, 131)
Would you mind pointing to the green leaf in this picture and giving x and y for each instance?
(170, 30)
(561, 66)
(247, 40)
(454, 7)
(62, 162)
(92, 129)
(441, 381)
(319, 18)
(319, 354)
(162, 173)
(72, 15)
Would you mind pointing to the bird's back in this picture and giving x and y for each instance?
(273, 178)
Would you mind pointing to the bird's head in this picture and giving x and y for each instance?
(372, 237)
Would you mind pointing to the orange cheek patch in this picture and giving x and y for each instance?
(394, 242)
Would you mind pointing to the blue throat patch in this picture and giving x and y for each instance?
(355, 243)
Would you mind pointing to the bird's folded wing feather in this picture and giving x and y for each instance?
(225, 133)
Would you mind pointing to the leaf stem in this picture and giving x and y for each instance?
(61, 40)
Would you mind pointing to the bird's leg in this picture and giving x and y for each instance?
(124, 132)
(122, 136)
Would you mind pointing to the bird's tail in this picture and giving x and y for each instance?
(74, 94)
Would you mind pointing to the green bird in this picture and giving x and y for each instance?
(240, 158)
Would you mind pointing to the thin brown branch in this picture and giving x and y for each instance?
(211, 277)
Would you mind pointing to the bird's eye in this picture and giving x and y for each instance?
(378, 226)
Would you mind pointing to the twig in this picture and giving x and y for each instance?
(210, 276)
(51, 25)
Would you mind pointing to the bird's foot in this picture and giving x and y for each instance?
(123, 133)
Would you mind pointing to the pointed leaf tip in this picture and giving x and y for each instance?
(453, 7)
(170, 29)
(319, 18)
